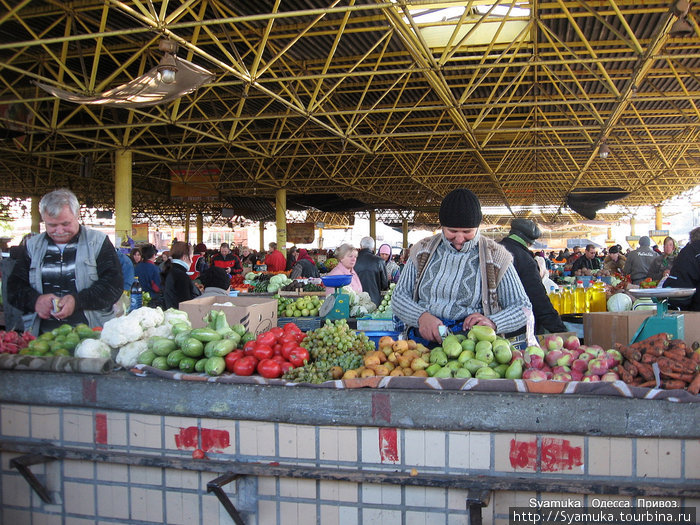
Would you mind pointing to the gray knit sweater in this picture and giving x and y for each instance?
(451, 288)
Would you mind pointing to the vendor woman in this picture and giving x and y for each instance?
(347, 257)
(459, 278)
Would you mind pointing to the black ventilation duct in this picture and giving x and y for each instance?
(587, 201)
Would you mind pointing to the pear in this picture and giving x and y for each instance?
(474, 364)
(463, 373)
(444, 372)
(465, 356)
(451, 347)
(486, 373)
(515, 370)
(468, 344)
(483, 333)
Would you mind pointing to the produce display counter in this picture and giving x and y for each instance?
(118, 448)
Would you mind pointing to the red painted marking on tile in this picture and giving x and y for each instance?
(101, 429)
(388, 445)
(89, 390)
(187, 438)
(214, 440)
(381, 407)
(558, 454)
(523, 454)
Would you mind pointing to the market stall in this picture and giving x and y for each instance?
(166, 444)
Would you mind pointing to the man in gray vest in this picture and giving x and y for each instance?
(68, 274)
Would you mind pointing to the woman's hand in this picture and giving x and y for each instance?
(477, 319)
(428, 326)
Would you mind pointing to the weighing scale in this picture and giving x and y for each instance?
(336, 305)
(664, 321)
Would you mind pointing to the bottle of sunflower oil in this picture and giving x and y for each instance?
(580, 299)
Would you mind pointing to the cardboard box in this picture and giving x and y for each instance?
(257, 314)
(607, 328)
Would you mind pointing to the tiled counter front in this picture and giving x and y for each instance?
(86, 492)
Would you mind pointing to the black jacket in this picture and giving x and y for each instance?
(546, 317)
(585, 262)
(178, 287)
(372, 273)
(685, 273)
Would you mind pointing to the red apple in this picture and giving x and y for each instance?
(590, 379)
(563, 376)
(552, 357)
(576, 375)
(553, 342)
(609, 376)
(561, 370)
(572, 343)
(533, 374)
(534, 350)
(584, 356)
(517, 354)
(566, 359)
(579, 365)
(598, 366)
(613, 355)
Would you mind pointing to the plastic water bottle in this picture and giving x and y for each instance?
(136, 295)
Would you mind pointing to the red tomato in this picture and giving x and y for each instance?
(269, 368)
(300, 337)
(266, 338)
(277, 332)
(232, 358)
(262, 351)
(286, 365)
(278, 358)
(299, 356)
(289, 337)
(249, 347)
(290, 327)
(245, 366)
(198, 453)
(277, 349)
(287, 348)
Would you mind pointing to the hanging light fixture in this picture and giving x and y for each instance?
(603, 150)
(167, 67)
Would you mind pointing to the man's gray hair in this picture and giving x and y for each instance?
(367, 243)
(695, 234)
(53, 203)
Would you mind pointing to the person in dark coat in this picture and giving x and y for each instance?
(178, 286)
(304, 266)
(589, 260)
(523, 233)
(371, 270)
(685, 273)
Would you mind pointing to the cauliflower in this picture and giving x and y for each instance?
(164, 330)
(92, 348)
(121, 330)
(174, 316)
(129, 354)
(148, 317)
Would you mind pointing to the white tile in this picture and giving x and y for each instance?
(146, 475)
(45, 423)
(16, 490)
(145, 431)
(146, 505)
(14, 420)
(78, 425)
(79, 498)
(112, 501)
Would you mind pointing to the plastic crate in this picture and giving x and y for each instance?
(375, 336)
(375, 325)
(305, 324)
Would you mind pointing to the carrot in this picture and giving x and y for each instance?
(676, 353)
(677, 343)
(649, 358)
(654, 351)
(686, 378)
(648, 384)
(630, 353)
(675, 365)
(645, 371)
(637, 381)
(629, 366)
(624, 374)
(673, 384)
(660, 339)
(694, 386)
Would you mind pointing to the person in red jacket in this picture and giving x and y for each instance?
(274, 260)
(227, 260)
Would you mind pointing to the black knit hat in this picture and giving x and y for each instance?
(526, 229)
(216, 277)
(460, 209)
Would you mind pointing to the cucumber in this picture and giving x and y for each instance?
(219, 348)
(181, 327)
(215, 366)
(187, 364)
(160, 362)
(192, 347)
(161, 345)
(205, 334)
(182, 337)
(147, 357)
(199, 365)
(174, 358)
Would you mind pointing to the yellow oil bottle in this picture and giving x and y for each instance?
(555, 299)
(567, 301)
(580, 299)
(596, 297)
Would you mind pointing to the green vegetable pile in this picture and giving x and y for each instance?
(60, 341)
(197, 350)
(334, 348)
(267, 282)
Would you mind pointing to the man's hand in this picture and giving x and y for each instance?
(66, 307)
(428, 326)
(477, 319)
(44, 305)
